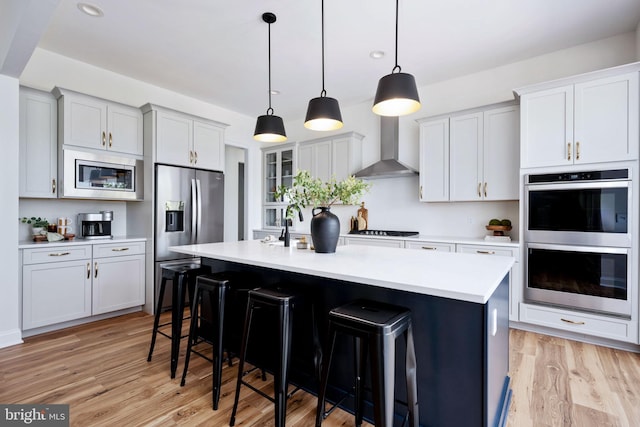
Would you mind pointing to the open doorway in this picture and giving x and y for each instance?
(235, 194)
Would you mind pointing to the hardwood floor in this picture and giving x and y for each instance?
(101, 371)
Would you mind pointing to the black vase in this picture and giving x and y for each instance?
(325, 230)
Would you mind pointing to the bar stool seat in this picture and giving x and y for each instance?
(282, 302)
(375, 327)
(211, 295)
(183, 278)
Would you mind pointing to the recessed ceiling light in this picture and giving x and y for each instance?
(376, 54)
(91, 10)
(275, 92)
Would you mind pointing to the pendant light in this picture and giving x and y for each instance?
(269, 128)
(397, 93)
(323, 113)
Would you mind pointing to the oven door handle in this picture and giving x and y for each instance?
(578, 185)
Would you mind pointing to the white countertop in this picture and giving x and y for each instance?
(465, 277)
(28, 244)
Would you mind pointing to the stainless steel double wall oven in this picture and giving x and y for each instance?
(578, 240)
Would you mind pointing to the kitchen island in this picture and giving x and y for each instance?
(459, 304)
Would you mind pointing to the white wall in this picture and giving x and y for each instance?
(9, 292)
(393, 203)
(233, 156)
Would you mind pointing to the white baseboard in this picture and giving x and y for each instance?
(9, 338)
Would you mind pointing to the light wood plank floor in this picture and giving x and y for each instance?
(100, 369)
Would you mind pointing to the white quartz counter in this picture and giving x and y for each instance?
(28, 244)
(465, 277)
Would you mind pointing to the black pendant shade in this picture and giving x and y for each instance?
(270, 128)
(323, 113)
(397, 95)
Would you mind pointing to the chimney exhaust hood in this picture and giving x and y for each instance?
(388, 166)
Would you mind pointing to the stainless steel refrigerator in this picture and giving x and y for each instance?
(189, 209)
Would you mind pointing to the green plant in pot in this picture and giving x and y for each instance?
(320, 196)
(38, 224)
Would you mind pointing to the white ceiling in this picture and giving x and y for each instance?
(216, 50)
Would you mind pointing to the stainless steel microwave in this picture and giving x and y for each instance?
(90, 175)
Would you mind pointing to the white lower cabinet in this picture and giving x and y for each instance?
(515, 278)
(366, 241)
(118, 272)
(430, 246)
(56, 285)
(582, 323)
(61, 284)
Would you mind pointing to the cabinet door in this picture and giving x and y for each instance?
(546, 128)
(346, 156)
(118, 283)
(125, 129)
(38, 144)
(501, 151)
(208, 146)
(606, 119)
(465, 173)
(434, 161)
(305, 158)
(174, 136)
(316, 158)
(55, 292)
(84, 121)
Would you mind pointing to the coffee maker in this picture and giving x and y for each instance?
(95, 225)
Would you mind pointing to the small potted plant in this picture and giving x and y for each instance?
(38, 225)
(320, 196)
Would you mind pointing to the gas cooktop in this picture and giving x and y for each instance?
(385, 233)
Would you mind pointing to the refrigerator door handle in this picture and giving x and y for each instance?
(194, 207)
(199, 214)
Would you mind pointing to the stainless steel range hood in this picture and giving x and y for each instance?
(388, 166)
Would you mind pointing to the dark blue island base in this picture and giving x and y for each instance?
(462, 348)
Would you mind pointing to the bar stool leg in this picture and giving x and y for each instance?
(156, 320)
(281, 376)
(243, 354)
(217, 302)
(382, 375)
(412, 386)
(192, 328)
(361, 350)
(324, 376)
(177, 312)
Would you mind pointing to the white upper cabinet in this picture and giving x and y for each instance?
(338, 155)
(591, 120)
(38, 144)
(99, 124)
(184, 140)
(470, 156)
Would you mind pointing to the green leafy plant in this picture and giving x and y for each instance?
(313, 192)
(35, 221)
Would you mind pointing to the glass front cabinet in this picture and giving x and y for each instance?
(279, 167)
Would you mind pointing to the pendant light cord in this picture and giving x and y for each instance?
(269, 110)
(397, 66)
(324, 92)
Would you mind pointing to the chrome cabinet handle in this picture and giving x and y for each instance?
(485, 189)
(110, 140)
(573, 322)
(195, 157)
(190, 156)
(96, 270)
(421, 192)
(479, 187)
(88, 270)
(104, 138)
(568, 151)
(486, 252)
(53, 186)
(577, 150)
(119, 249)
(429, 248)
(59, 253)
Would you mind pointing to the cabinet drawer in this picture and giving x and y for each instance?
(118, 249)
(56, 254)
(364, 241)
(431, 246)
(489, 250)
(582, 323)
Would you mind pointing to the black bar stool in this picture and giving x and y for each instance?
(211, 328)
(180, 275)
(375, 327)
(282, 302)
